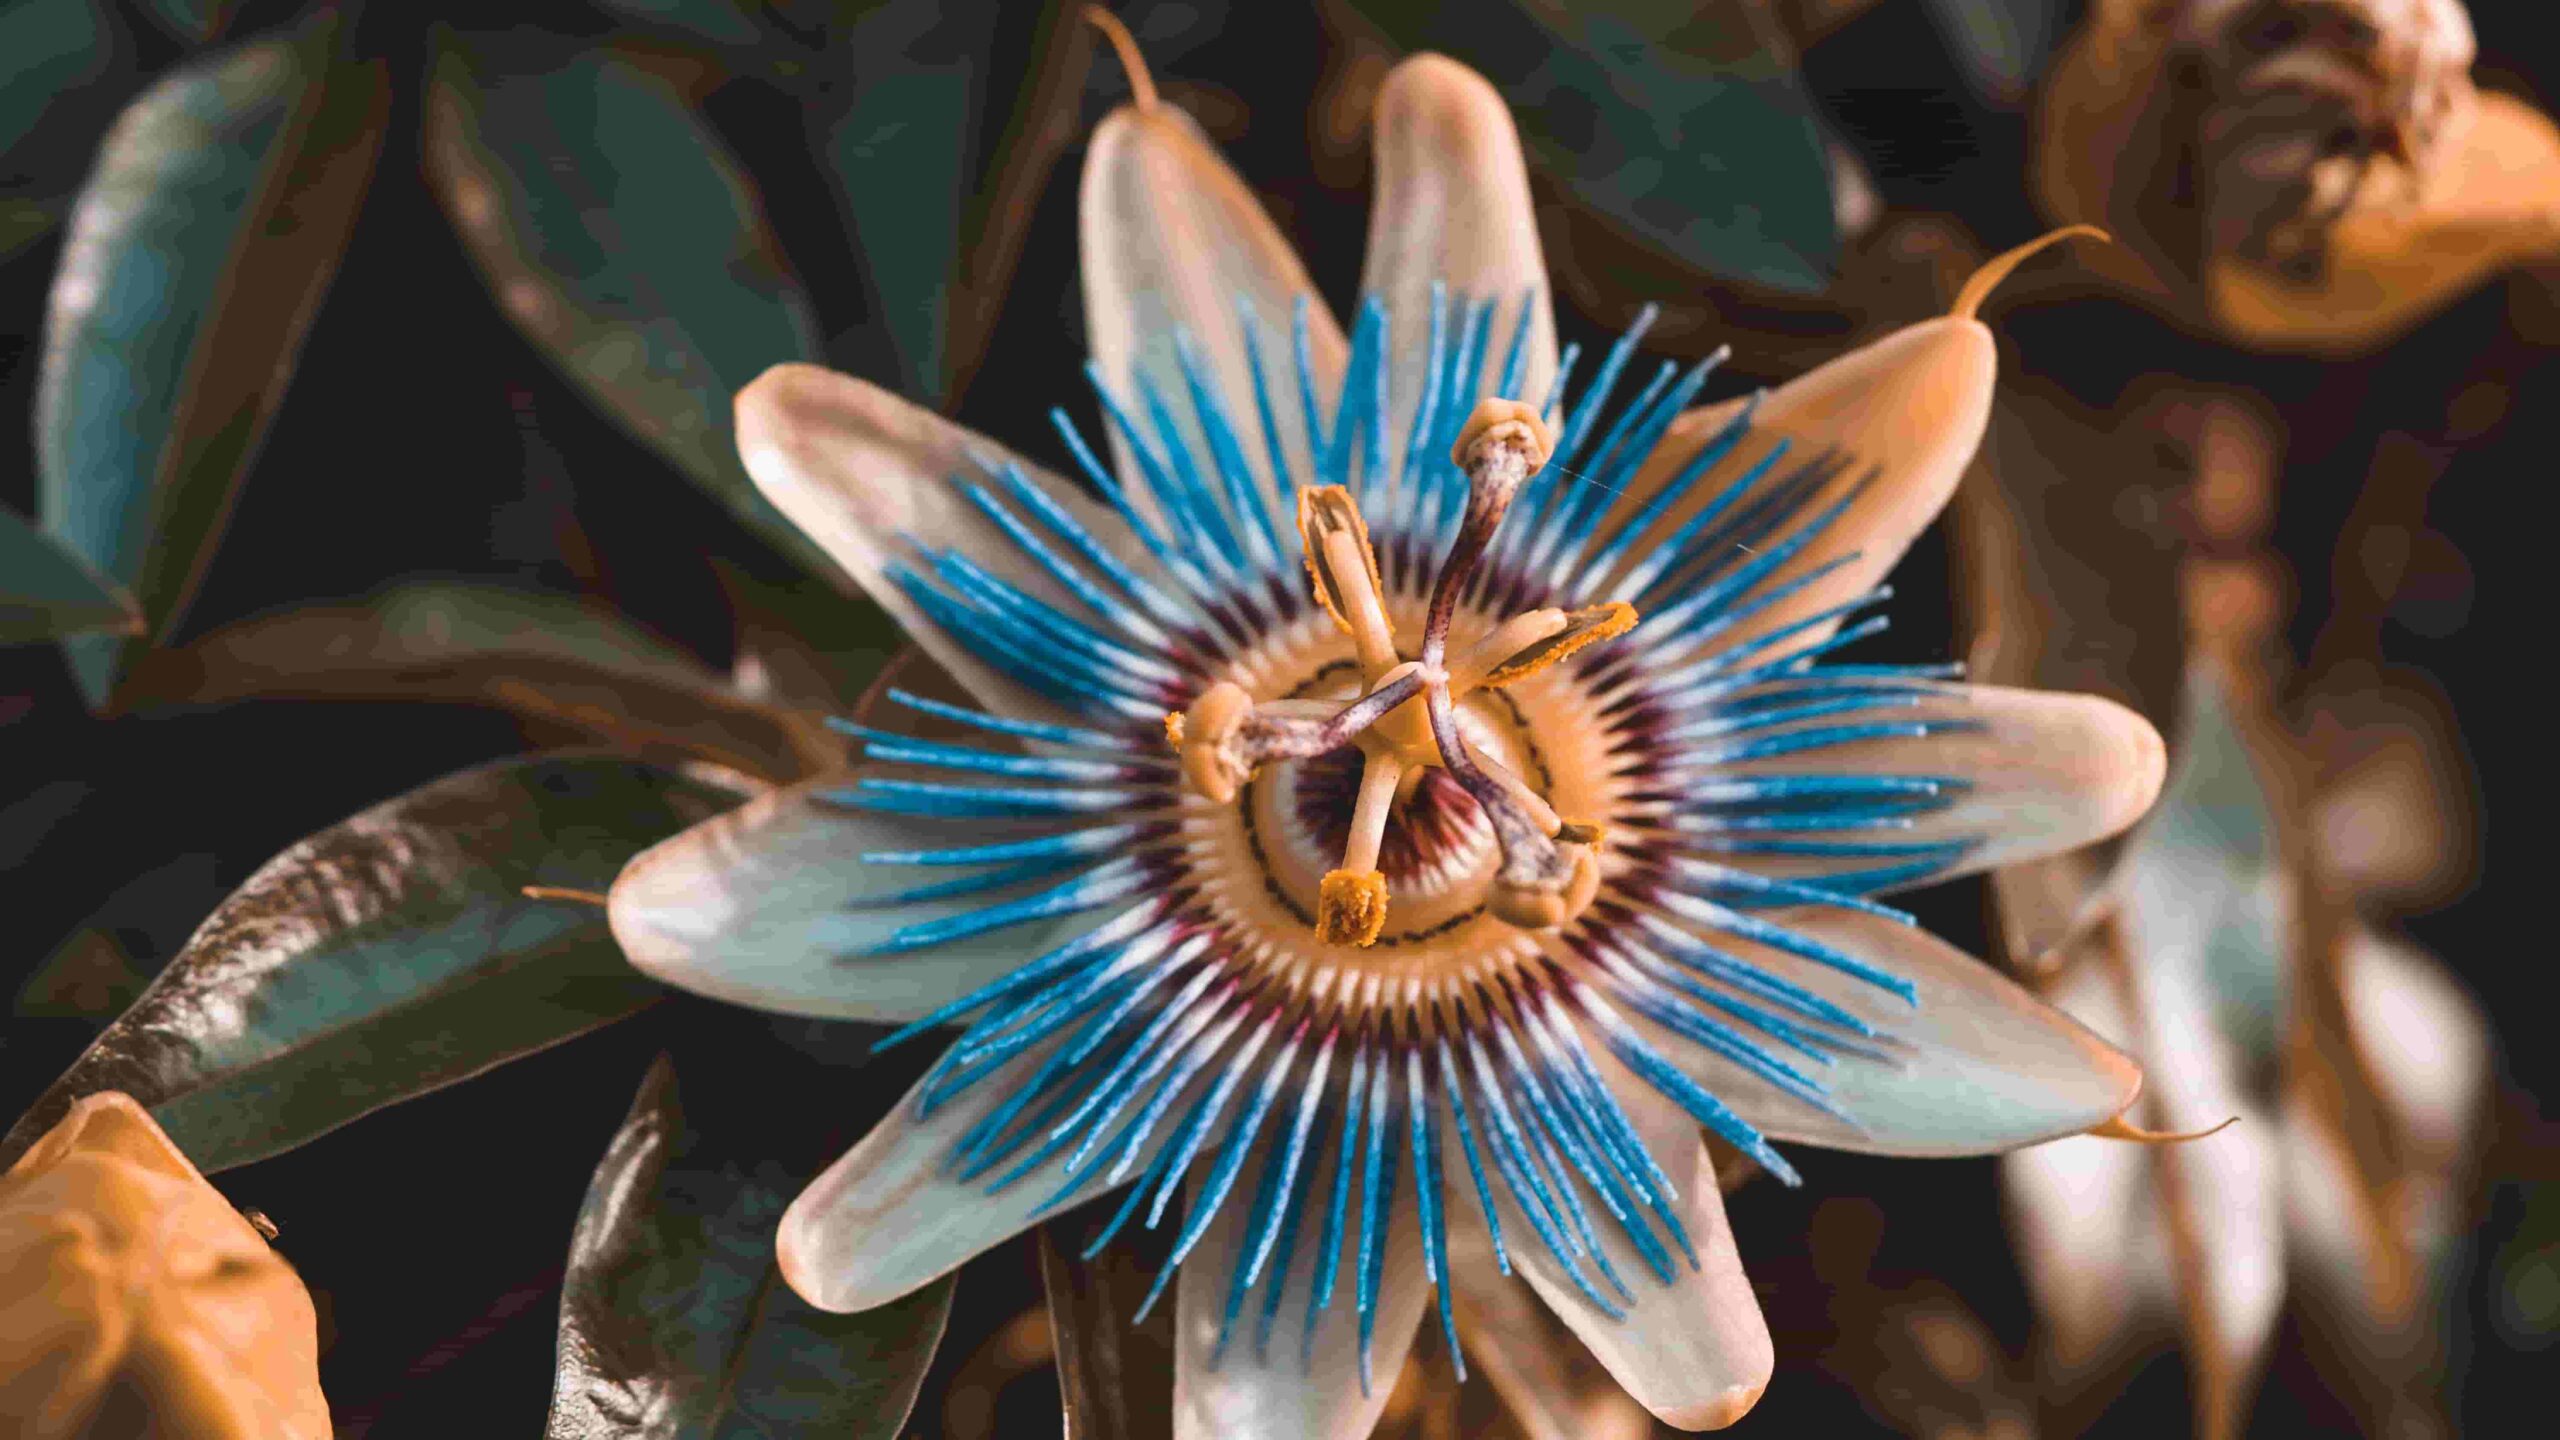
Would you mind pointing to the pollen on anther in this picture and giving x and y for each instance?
(1351, 907)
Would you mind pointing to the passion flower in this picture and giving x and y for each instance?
(1404, 797)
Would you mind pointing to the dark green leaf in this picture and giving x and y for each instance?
(103, 966)
(719, 21)
(195, 20)
(1683, 125)
(802, 647)
(675, 1323)
(64, 71)
(898, 141)
(48, 48)
(579, 671)
(389, 956)
(46, 592)
(198, 251)
(622, 238)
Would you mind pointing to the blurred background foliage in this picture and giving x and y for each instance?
(383, 360)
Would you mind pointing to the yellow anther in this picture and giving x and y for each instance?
(1586, 626)
(1173, 731)
(1509, 638)
(1497, 422)
(1351, 907)
(1344, 568)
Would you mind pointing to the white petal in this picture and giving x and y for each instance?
(1695, 1352)
(887, 1218)
(870, 477)
(2221, 1193)
(2231, 1186)
(2081, 1212)
(1174, 241)
(2046, 773)
(2428, 1046)
(1550, 1384)
(1274, 1396)
(1977, 1067)
(759, 907)
(1905, 414)
(2423, 1035)
(1453, 206)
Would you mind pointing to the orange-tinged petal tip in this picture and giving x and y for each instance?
(1126, 46)
(1998, 267)
(2120, 1128)
(1721, 1411)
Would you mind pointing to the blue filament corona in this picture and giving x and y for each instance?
(1140, 1052)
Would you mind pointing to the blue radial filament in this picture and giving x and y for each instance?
(1316, 1134)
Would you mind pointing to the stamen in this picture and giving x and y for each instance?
(1351, 907)
(1508, 639)
(1344, 568)
(1579, 628)
(1351, 903)
(1224, 737)
(1378, 778)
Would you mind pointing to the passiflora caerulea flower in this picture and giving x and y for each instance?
(1409, 804)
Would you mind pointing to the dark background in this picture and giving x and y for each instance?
(424, 437)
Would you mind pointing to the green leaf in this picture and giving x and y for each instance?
(718, 21)
(48, 48)
(582, 673)
(195, 20)
(897, 140)
(803, 647)
(388, 956)
(1685, 126)
(623, 239)
(674, 1320)
(102, 967)
(46, 592)
(198, 252)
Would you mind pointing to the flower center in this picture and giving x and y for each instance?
(1436, 840)
(1345, 755)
